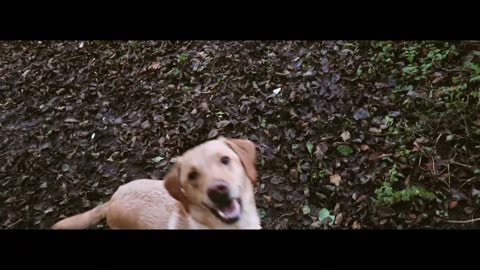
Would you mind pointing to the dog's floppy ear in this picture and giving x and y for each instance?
(245, 149)
(173, 185)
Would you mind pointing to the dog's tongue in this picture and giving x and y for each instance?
(231, 211)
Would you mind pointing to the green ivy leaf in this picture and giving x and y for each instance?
(344, 150)
(324, 214)
(261, 213)
(306, 209)
(65, 167)
(309, 146)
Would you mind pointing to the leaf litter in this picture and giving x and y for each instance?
(327, 119)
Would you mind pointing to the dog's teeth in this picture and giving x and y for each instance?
(237, 205)
(221, 213)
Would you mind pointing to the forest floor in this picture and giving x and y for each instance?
(349, 134)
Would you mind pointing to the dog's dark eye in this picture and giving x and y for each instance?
(225, 160)
(192, 175)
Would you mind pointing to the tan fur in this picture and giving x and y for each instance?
(177, 202)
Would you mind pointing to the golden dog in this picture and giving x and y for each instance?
(209, 187)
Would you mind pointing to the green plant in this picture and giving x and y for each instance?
(344, 150)
(407, 153)
(182, 57)
(392, 174)
(315, 176)
(321, 173)
(385, 195)
(263, 123)
(422, 57)
(462, 89)
(269, 67)
(388, 121)
(410, 52)
(295, 147)
(410, 70)
(386, 52)
(261, 213)
(475, 71)
(174, 72)
(133, 43)
(452, 93)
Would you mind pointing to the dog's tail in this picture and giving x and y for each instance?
(83, 220)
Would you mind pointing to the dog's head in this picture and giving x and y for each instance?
(214, 178)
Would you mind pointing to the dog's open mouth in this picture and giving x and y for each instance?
(228, 213)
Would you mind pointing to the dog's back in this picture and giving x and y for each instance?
(140, 204)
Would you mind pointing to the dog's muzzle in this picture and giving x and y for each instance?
(226, 208)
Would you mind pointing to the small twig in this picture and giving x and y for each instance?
(13, 224)
(261, 93)
(73, 57)
(453, 158)
(446, 184)
(5, 104)
(441, 172)
(455, 70)
(58, 173)
(43, 169)
(448, 167)
(382, 134)
(467, 131)
(463, 221)
(461, 164)
(385, 155)
(285, 215)
(468, 180)
(415, 169)
(436, 141)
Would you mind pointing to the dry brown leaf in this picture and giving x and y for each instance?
(345, 136)
(416, 147)
(335, 179)
(356, 225)
(204, 106)
(407, 180)
(375, 130)
(292, 95)
(339, 219)
(452, 204)
(364, 147)
(421, 140)
(155, 65)
(438, 79)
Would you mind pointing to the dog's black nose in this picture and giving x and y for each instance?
(219, 193)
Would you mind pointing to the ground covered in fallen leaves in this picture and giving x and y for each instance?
(349, 134)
